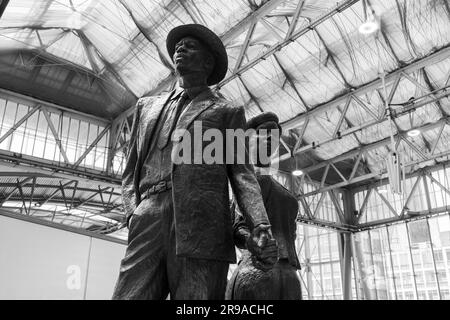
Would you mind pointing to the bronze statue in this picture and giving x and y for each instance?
(180, 228)
(282, 282)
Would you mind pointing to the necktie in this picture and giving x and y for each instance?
(172, 117)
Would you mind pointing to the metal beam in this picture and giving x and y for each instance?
(55, 135)
(48, 187)
(366, 108)
(93, 144)
(22, 197)
(414, 147)
(32, 190)
(146, 35)
(441, 129)
(299, 141)
(327, 224)
(58, 190)
(111, 147)
(277, 47)
(84, 39)
(93, 207)
(364, 204)
(291, 82)
(245, 45)
(384, 179)
(423, 101)
(295, 18)
(99, 191)
(433, 180)
(33, 164)
(306, 208)
(30, 219)
(341, 119)
(19, 184)
(415, 104)
(241, 27)
(407, 218)
(19, 123)
(27, 100)
(319, 204)
(371, 86)
(338, 172)
(386, 202)
(429, 211)
(95, 67)
(356, 165)
(338, 208)
(324, 175)
(426, 191)
(237, 30)
(375, 145)
(40, 51)
(405, 207)
(271, 29)
(368, 176)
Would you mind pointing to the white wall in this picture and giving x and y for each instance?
(40, 262)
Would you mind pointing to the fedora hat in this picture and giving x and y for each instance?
(263, 118)
(207, 37)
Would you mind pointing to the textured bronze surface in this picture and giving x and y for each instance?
(282, 282)
(202, 224)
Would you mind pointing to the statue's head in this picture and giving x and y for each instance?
(266, 142)
(195, 48)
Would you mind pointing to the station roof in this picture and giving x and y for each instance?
(307, 61)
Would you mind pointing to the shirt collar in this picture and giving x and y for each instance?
(179, 91)
(177, 94)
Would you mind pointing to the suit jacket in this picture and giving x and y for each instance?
(282, 209)
(203, 224)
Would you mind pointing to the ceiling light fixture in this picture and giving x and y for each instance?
(413, 133)
(297, 172)
(371, 25)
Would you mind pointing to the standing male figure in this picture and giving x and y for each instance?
(180, 230)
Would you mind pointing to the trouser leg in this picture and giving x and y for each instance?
(194, 279)
(143, 270)
(197, 279)
(151, 269)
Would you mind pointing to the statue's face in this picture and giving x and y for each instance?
(266, 143)
(191, 56)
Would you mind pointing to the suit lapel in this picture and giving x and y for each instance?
(200, 103)
(150, 117)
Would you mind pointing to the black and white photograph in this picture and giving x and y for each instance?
(242, 152)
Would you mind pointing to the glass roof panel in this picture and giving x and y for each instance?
(70, 48)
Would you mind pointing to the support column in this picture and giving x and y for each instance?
(346, 244)
(346, 268)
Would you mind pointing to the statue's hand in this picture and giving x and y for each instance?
(263, 247)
